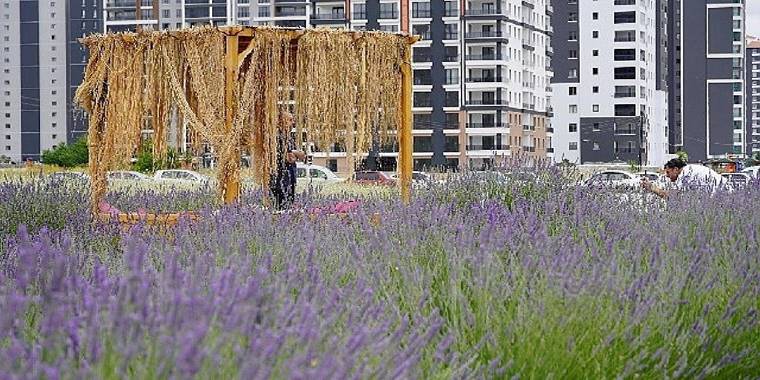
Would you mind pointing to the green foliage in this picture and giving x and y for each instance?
(68, 156)
(683, 155)
(147, 163)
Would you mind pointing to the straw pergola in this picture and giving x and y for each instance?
(230, 85)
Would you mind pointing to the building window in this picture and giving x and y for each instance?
(595, 127)
(54, 125)
(595, 16)
(625, 54)
(178, 12)
(573, 73)
(595, 89)
(572, 36)
(595, 53)
(55, 137)
(572, 54)
(595, 70)
(626, 17)
(596, 146)
(7, 137)
(572, 128)
(595, 34)
(572, 90)
(595, 108)
(166, 13)
(573, 108)
(573, 145)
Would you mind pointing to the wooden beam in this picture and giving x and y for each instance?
(405, 129)
(231, 181)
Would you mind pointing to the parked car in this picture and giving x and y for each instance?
(752, 171)
(373, 178)
(177, 175)
(736, 180)
(307, 174)
(613, 179)
(419, 179)
(69, 176)
(127, 176)
(652, 176)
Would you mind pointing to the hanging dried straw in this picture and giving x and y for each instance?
(347, 88)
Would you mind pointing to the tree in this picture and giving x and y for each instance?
(682, 155)
(68, 156)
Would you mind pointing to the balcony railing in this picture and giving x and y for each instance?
(549, 130)
(482, 12)
(421, 14)
(485, 102)
(481, 57)
(298, 12)
(526, 127)
(625, 131)
(450, 58)
(131, 3)
(487, 125)
(494, 34)
(531, 149)
(625, 94)
(625, 150)
(483, 80)
(359, 15)
(451, 13)
(421, 58)
(329, 16)
(487, 147)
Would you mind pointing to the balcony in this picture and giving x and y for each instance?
(388, 15)
(625, 94)
(494, 34)
(487, 125)
(359, 16)
(451, 58)
(485, 102)
(488, 11)
(527, 127)
(483, 80)
(131, 4)
(423, 13)
(481, 57)
(329, 17)
(549, 10)
(487, 147)
(530, 149)
(291, 13)
(549, 130)
(549, 150)
(528, 4)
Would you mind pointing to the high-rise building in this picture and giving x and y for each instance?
(706, 81)
(41, 63)
(610, 94)
(752, 126)
(481, 73)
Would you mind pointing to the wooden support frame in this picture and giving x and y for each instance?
(405, 160)
(231, 182)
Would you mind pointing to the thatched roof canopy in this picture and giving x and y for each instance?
(232, 84)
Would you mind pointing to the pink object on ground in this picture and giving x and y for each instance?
(106, 208)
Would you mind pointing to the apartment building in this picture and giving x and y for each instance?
(752, 123)
(481, 73)
(41, 64)
(707, 78)
(610, 90)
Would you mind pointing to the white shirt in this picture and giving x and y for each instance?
(699, 176)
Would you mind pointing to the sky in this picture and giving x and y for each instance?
(753, 18)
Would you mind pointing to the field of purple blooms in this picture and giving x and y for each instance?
(477, 278)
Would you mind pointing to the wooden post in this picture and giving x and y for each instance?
(231, 183)
(405, 129)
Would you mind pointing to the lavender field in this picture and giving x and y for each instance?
(477, 278)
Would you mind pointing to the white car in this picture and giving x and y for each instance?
(752, 171)
(614, 179)
(128, 176)
(307, 174)
(177, 175)
(70, 176)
